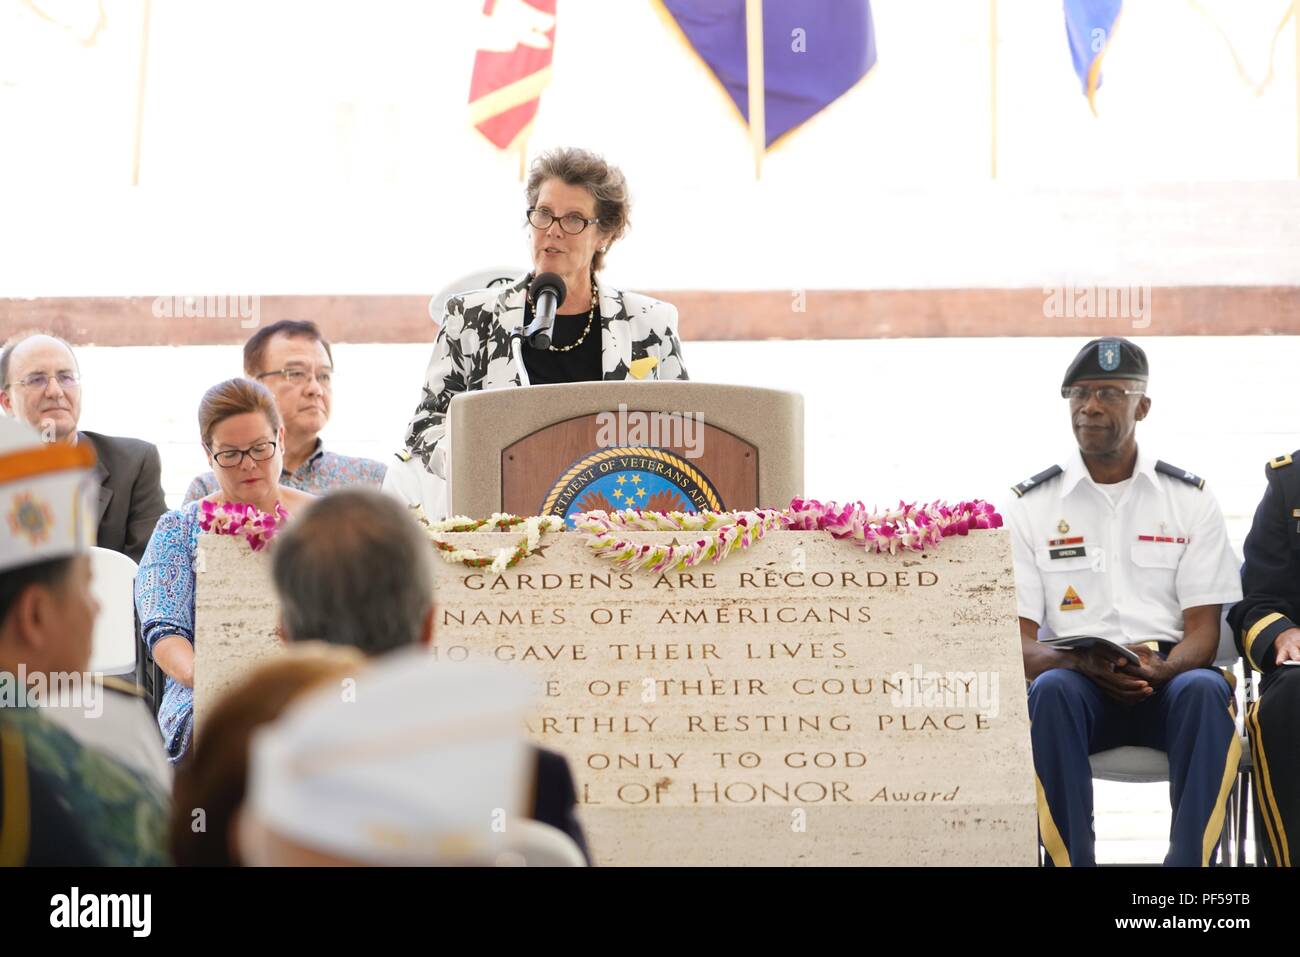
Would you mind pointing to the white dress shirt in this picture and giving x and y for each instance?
(1122, 570)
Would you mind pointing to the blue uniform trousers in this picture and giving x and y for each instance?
(1190, 718)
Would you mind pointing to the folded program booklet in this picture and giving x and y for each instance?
(1088, 641)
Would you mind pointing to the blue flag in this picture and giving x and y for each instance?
(1089, 25)
(813, 52)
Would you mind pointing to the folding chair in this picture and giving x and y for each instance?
(113, 643)
(1139, 765)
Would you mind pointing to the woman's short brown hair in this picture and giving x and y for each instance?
(235, 397)
(605, 182)
(214, 776)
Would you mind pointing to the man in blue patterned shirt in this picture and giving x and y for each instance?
(294, 361)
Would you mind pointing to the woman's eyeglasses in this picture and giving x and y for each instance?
(233, 458)
(571, 223)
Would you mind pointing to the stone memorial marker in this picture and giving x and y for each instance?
(801, 702)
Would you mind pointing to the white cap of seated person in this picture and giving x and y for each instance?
(424, 762)
(578, 208)
(46, 512)
(45, 497)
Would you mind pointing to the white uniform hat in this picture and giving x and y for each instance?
(421, 762)
(46, 504)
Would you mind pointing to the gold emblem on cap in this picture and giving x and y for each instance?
(31, 517)
(1062, 526)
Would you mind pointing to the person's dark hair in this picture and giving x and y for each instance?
(234, 397)
(604, 181)
(353, 569)
(14, 581)
(18, 339)
(214, 776)
(255, 347)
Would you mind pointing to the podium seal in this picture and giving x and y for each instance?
(647, 479)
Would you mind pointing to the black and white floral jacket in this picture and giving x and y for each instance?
(638, 340)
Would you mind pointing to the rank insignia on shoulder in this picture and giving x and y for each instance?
(1282, 461)
(1181, 474)
(1036, 480)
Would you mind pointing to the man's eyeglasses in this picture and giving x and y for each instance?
(571, 223)
(40, 381)
(1106, 395)
(298, 376)
(232, 458)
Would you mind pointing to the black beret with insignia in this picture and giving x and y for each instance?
(1109, 358)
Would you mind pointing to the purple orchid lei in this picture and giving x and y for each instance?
(908, 526)
(240, 518)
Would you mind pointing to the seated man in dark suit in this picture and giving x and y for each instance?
(41, 385)
(354, 569)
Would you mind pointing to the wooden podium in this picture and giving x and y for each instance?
(662, 446)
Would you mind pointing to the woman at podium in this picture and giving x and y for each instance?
(577, 208)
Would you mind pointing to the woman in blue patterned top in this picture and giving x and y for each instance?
(242, 434)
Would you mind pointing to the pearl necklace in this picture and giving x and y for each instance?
(591, 316)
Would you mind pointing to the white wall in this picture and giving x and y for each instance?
(889, 419)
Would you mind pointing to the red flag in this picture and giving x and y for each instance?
(511, 68)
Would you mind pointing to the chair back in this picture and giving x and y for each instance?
(113, 585)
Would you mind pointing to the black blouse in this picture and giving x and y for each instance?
(546, 366)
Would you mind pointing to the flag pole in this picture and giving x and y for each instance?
(757, 82)
(993, 88)
(1295, 22)
(139, 92)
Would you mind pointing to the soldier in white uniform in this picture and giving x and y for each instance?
(1115, 544)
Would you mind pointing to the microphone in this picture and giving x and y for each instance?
(547, 293)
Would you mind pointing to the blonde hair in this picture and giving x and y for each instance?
(234, 397)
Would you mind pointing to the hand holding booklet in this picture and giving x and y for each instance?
(1083, 642)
